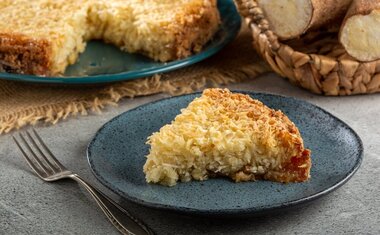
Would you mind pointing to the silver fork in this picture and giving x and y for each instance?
(48, 168)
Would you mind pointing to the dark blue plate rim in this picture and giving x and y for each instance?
(233, 30)
(230, 212)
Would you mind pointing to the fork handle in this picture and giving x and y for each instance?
(127, 225)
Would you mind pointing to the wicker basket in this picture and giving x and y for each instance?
(320, 64)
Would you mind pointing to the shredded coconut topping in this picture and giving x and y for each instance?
(227, 134)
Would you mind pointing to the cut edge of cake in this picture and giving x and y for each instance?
(25, 54)
(196, 31)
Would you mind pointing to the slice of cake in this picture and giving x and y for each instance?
(43, 37)
(227, 134)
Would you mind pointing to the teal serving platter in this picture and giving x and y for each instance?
(118, 152)
(104, 63)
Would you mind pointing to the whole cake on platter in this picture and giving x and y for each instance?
(43, 37)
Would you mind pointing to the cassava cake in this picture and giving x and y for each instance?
(227, 134)
(43, 37)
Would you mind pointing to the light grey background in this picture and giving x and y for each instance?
(31, 206)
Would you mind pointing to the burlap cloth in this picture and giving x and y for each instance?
(27, 104)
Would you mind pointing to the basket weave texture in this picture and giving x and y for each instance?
(319, 64)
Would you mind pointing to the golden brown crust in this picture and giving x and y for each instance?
(254, 108)
(21, 54)
(297, 169)
(193, 29)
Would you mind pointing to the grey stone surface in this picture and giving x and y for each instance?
(31, 206)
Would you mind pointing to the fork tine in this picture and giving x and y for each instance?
(51, 166)
(30, 162)
(35, 157)
(61, 167)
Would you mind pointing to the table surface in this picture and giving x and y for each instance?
(30, 206)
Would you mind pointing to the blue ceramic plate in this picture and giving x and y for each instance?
(117, 155)
(102, 63)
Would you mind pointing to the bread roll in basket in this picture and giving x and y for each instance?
(316, 61)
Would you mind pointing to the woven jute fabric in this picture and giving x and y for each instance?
(24, 104)
(316, 61)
